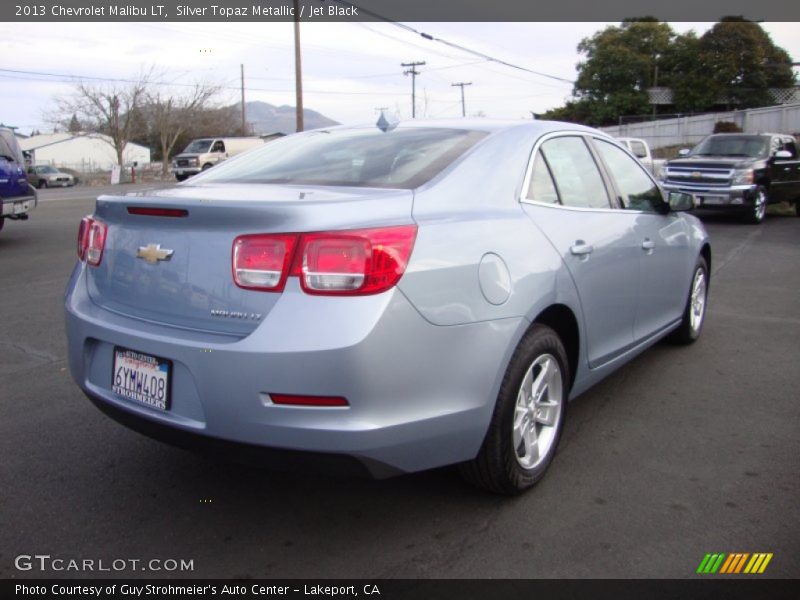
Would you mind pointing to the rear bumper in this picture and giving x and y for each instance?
(18, 205)
(421, 396)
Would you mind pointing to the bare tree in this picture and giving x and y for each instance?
(108, 109)
(172, 115)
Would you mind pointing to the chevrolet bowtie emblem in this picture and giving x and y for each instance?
(153, 253)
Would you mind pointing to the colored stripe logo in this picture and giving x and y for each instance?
(734, 563)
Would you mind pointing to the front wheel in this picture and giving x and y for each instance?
(755, 215)
(528, 417)
(42, 184)
(694, 313)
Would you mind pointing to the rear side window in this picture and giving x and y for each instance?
(637, 190)
(541, 188)
(368, 157)
(575, 172)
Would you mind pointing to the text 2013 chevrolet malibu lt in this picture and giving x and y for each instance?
(408, 297)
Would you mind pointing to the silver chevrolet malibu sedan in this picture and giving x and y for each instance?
(391, 297)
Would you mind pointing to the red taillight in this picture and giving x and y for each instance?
(341, 263)
(91, 240)
(261, 262)
(357, 262)
(291, 400)
(83, 236)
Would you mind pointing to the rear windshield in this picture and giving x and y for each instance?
(401, 158)
(734, 145)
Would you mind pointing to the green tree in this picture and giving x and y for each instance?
(741, 63)
(621, 63)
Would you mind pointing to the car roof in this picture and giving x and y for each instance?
(480, 124)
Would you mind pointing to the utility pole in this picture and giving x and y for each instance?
(463, 106)
(298, 70)
(413, 72)
(244, 118)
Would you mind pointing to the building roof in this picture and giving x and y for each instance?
(49, 139)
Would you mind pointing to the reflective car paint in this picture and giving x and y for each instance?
(420, 364)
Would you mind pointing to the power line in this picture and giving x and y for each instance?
(434, 38)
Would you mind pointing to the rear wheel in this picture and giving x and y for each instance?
(528, 417)
(695, 311)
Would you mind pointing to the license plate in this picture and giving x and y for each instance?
(21, 207)
(712, 199)
(141, 377)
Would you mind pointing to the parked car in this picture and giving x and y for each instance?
(17, 197)
(641, 150)
(204, 153)
(738, 172)
(44, 176)
(423, 296)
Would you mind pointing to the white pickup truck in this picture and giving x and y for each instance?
(641, 150)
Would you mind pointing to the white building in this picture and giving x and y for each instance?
(84, 152)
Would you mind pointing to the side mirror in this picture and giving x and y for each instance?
(680, 201)
(783, 155)
(683, 152)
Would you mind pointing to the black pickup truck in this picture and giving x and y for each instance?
(738, 171)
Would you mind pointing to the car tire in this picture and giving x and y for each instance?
(526, 426)
(756, 213)
(42, 184)
(694, 312)
(2, 222)
(797, 208)
(207, 166)
(181, 177)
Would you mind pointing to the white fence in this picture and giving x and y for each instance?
(687, 131)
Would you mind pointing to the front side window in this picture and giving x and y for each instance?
(575, 172)
(219, 146)
(638, 149)
(637, 189)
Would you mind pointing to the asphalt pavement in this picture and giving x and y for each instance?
(685, 451)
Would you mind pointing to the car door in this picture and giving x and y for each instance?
(785, 173)
(660, 238)
(567, 198)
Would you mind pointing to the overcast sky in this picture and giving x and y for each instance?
(349, 69)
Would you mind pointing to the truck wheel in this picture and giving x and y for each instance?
(181, 177)
(207, 166)
(755, 215)
(2, 222)
(528, 417)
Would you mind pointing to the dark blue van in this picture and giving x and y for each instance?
(17, 198)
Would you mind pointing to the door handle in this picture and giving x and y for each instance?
(581, 248)
(648, 244)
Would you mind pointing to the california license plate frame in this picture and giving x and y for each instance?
(143, 378)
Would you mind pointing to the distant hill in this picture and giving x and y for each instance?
(267, 118)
